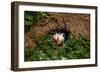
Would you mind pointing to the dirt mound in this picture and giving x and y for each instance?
(77, 24)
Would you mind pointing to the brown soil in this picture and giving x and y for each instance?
(77, 24)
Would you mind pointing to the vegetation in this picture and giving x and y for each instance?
(72, 48)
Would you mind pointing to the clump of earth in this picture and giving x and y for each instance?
(76, 24)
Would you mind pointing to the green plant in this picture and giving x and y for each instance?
(31, 18)
(72, 48)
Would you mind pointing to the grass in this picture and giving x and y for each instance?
(72, 48)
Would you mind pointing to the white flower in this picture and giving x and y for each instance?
(58, 38)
